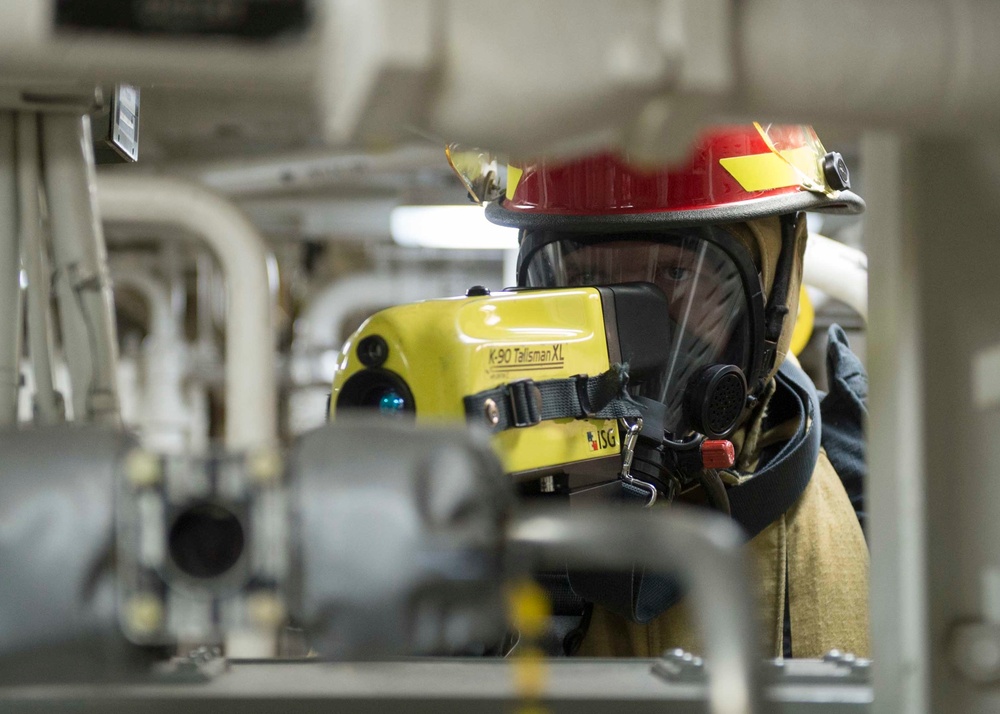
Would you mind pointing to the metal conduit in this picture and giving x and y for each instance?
(10, 275)
(90, 342)
(48, 404)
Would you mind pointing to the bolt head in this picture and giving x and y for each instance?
(974, 650)
(265, 610)
(835, 171)
(144, 614)
(142, 468)
(492, 412)
(265, 466)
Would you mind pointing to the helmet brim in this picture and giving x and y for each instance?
(843, 202)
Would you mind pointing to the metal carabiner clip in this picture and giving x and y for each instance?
(628, 453)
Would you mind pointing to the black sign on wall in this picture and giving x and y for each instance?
(246, 19)
(116, 127)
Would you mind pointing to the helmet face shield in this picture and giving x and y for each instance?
(709, 283)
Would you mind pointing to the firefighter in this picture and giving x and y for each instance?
(722, 234)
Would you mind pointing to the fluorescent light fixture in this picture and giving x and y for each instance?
(458, 227)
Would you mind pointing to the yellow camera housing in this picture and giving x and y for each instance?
(441, 351)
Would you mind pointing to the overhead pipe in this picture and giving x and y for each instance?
(250, 383)
(320, 324)
(921, 64)
(303, 171)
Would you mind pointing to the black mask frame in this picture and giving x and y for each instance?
(764, 322)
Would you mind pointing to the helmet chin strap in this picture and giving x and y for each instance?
(777, 301)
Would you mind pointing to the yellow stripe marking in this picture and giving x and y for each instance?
(513, 178)
(779, 169)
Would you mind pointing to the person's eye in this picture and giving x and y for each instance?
(676, 273)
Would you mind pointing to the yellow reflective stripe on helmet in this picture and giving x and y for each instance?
(513, 178)
(777, 169)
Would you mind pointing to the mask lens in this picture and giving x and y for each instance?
(707, 303)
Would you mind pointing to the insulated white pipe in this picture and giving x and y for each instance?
(164, 416)
(48, 404)
(10, 276)
(161, 318)
(86, 306)
(838, 270)
(917, 63)
(320, 324)
(203, 302)
(251, 390)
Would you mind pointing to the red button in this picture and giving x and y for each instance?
(717, 454)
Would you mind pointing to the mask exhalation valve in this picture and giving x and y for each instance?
(715, 400)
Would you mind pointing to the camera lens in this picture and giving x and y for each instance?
(206, 540)
(378, 390)
(391, 402)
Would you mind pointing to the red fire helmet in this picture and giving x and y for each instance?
(733, 173)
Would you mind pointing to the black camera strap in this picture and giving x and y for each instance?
(526, 402)
(759, 501)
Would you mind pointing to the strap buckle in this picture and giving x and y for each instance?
(628, 452)
(525, 399)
